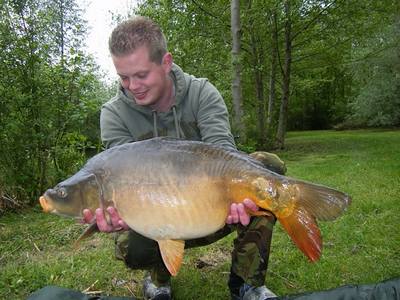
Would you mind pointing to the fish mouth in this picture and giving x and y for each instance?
(46, 206)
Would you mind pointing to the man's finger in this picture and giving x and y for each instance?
(123, 225)
(101, 221)
(250, 205)
(114, 217)
(234, 213)
(116, 221)
(243, 216)
(229, 220)
(87, 216)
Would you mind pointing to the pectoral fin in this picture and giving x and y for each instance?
(89, 231)
(303, 230)
(172, 254)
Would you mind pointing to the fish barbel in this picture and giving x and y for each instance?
(173, 190)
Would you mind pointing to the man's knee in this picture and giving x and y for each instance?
(270, 161)
(251, 251)
(137, 251)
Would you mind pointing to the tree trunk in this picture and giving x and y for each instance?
(262, 134)
(236, 82)
(257, 61)
(283, 113)
(272, 80)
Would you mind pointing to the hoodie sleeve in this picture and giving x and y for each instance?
(113, 130)
(213, 117)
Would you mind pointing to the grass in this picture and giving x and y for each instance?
(361, 247)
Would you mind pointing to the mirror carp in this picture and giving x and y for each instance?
(172, 190)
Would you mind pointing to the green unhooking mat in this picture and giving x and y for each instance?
(52, 292)
(386, 290)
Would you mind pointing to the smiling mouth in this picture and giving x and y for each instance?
(140, 95)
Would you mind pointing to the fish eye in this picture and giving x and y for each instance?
(62, 192)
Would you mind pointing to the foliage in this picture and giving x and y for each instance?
(362, 246)
(49, 96)
(377, 102)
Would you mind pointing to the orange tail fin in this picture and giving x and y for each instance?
(303, 230)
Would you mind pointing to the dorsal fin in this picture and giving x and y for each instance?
(172, 254)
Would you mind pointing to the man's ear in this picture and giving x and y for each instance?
(167, 62)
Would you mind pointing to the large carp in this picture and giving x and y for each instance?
(172, 190)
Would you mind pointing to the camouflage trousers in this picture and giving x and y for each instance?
(249, 256)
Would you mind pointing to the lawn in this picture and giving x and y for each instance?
(362, 246)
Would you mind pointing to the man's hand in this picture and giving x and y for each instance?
(117, 224)
(238, 212)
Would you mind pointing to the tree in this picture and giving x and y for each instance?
(377, 77)
(272, 80)
(236, 63)
(48, 95)
(283, 113)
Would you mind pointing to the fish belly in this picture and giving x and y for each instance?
(192, 209)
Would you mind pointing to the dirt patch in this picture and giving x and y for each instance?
(213, 258)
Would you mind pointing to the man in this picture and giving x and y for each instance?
(157, 98)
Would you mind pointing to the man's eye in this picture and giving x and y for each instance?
(142, 75)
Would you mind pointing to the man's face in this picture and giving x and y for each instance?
(144, 79)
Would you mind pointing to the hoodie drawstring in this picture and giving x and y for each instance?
(176, 123)
(178, 135)
(155, 131)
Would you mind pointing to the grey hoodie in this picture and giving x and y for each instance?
(199, 114)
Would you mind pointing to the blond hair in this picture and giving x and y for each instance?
(135, 33)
